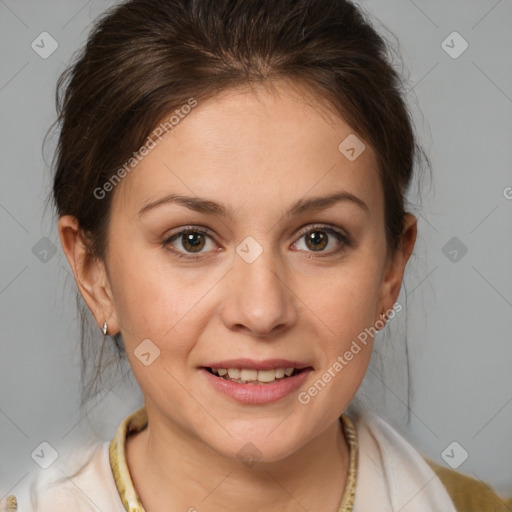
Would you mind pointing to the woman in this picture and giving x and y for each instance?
(230, 185)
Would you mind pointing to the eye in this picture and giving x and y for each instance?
(189, 243)
(190, 240)
(319, 237)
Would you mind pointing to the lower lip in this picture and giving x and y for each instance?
(256, 394)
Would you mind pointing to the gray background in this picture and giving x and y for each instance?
(458, 305)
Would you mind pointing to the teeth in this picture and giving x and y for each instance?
(266, 375)
(247, 374)
(243, 375)
(279, 373)
(234, 373)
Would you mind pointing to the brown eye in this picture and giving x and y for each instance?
(189, 242)
(322, 240)
(316, 240)
(193, 242)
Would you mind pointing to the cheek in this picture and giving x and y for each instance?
(346, 300)
(149, 301)
(345, 311)
(163, 303)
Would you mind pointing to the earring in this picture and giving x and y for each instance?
(383, 320)
(105, 329)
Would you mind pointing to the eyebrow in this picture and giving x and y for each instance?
(200, 205)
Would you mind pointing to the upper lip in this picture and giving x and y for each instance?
(251, 364)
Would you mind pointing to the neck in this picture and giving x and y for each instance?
(172, 471)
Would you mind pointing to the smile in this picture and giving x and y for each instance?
(256, 386)
(253, 376)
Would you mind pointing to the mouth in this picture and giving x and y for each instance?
(252, 382)
(255, 376)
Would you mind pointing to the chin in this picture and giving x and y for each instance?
(266, 441)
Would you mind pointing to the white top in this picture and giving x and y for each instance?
(93, 490)
(381, 454)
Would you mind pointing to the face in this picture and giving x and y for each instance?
(222, 256)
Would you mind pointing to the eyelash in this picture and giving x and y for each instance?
(341, 237)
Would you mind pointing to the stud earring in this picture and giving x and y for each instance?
(105, 329)
(382, 320)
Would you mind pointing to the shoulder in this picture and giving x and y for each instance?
(467, 493)
(84, 487)
(387, 455)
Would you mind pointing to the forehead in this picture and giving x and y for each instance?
(254, 146)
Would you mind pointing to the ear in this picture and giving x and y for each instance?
(90, 273)
(395, 267)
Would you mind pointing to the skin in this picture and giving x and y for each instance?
(257, 151)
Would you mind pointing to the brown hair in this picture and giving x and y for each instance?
(145, 58)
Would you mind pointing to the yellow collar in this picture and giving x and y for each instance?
(138, 421)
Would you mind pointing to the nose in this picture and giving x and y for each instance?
(258, 297)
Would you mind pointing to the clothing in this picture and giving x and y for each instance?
(386, 474)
